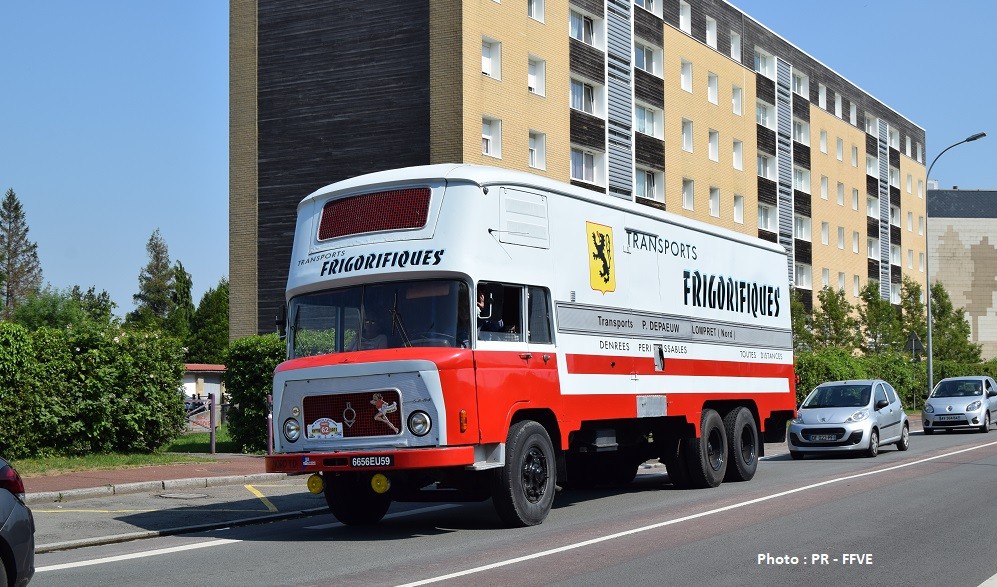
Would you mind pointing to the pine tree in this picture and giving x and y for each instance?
(182, 306)
(20, 271)
(154, 299)
(209, 328)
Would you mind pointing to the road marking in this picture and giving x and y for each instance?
(638, 530)
(37, 511)
(124, 557)
(432, 508)
(270, 507)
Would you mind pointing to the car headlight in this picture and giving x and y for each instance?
(929, 408)
(857, 416)
(419, 423)
(974, 406)
(798, 419)
(292, 430)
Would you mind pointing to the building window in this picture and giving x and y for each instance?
(735, 46)
(910, 258)
(894, 293)
(766, 217)
(715, 202)
(920, 189)
(648, 121)
(907, 145)
(841, 238)
(894, 177)
(872, 165)
(825, 277)
(801, 132)
(685, 17)
(910, 184)
(872, 247)
(841, 194)
(823, 141)
(822, 96)
(840, 146)
(736, 96)
(582, 165)
(738, 155)
(801, 179)
(895, 215)
(582, 96)
(687, 135)
(538, 150)
(801, 85)
(712, 90)
(823, 187)
(647, 5)
(581, 28)
(714, 145)
(920, 225)
(855, 241)
(491, 137)
(687, 75)
(649, 184)
(841, 281)
(871, 124)
(711, 32)
(855, 199)
(853, 114)
(894, 136)
(688, 193)
(535, 9)
(536, 76)
(920, 154)
(824, 232)
(803, 276)
(910, 222)
(801, 227)
(763, 114)
(766, 166)
(491, 58)
(872, 206)
(837, 105)
(738, 209)
(855, 156)
(647, 59)
(920, 262)
(764, 63)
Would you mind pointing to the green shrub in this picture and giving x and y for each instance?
(900, 372)
(17, 393)
(250, 366)
(830, 364)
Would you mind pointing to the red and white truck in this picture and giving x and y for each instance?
(460, 332)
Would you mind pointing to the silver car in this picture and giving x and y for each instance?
(961, 402)
(17, 530)
(860, 415)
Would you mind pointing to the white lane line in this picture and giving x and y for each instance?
(433, 508)
(638, 530)
(124, 557)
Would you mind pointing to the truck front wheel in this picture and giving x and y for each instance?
(352, 501)
(523, 490)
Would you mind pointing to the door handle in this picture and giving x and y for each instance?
(526, 356)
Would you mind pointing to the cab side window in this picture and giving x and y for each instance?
(500, 312)
(538, 315)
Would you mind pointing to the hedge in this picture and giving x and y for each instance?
(249, 369)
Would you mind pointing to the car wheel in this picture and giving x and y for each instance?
(797, 455)
(929, 431)
(523, 490)
(873, 449)
(986, 423)
(904, 442)
(742, 437)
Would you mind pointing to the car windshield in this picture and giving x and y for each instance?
(378, 316)
(958, 388)
(839, 396)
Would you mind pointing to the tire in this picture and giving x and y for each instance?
(929, 431)
(353, 502)
(706, 456)
(3, 573)
(904, 442)
(873, 449)
(986, 422)
(797, 455)
(742, 434)
(675, 465)
(523, 490)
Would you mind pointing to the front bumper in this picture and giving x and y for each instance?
(409, 458)
(952, 421)
(824, 437)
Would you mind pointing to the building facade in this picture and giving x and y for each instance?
(664, 102)
(962, 256)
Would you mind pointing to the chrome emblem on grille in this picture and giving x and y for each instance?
(349, 415)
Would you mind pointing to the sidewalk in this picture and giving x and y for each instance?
(224, 469)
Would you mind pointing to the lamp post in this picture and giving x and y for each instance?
(927, 278)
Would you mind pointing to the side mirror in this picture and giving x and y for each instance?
(281, 321)
(882, 404)
(992, 393)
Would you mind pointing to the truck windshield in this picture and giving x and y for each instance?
(380, 316)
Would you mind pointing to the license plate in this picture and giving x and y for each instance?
(947, 417)
(823, 437)
(375, 461)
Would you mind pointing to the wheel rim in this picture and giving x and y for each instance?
(747, 446)
(534, 474)
(906, 436)
(715, 449)
(874, 442)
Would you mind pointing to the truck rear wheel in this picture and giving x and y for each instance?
(706, 456)
(353, 502)
(742, 434)
(523, 490)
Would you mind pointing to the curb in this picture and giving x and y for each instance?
(123, 488)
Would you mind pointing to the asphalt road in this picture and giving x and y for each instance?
(925, 516)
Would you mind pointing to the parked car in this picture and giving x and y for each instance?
(961, 402)
(17, 530)
(860, 415)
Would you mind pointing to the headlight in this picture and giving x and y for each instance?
(292, 430)
(419, 423)
(974, 406)
(929, 408)
(857, 416)
(798, 419)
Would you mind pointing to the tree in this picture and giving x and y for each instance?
(912, 310)
(97, 306)
(950, 329)
(834, 326)
(208, 340)
(154, 299)
(20, 271)
(56, 308)
(881, 329)
(178, 321)
(801, 323)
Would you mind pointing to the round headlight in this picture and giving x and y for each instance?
(419, 423)
(292, 430)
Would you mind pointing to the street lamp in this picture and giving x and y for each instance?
(927, 278)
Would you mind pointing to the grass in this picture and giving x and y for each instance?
(185, 449)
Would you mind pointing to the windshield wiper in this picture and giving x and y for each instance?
(396, 320)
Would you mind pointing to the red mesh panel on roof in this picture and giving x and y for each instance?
(388, 210)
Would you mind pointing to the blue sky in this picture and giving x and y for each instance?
(114, 115)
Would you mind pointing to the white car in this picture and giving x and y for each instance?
(961, 402)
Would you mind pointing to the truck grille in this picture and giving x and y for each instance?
(360, 414)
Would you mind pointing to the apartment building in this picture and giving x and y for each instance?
(688, 106)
